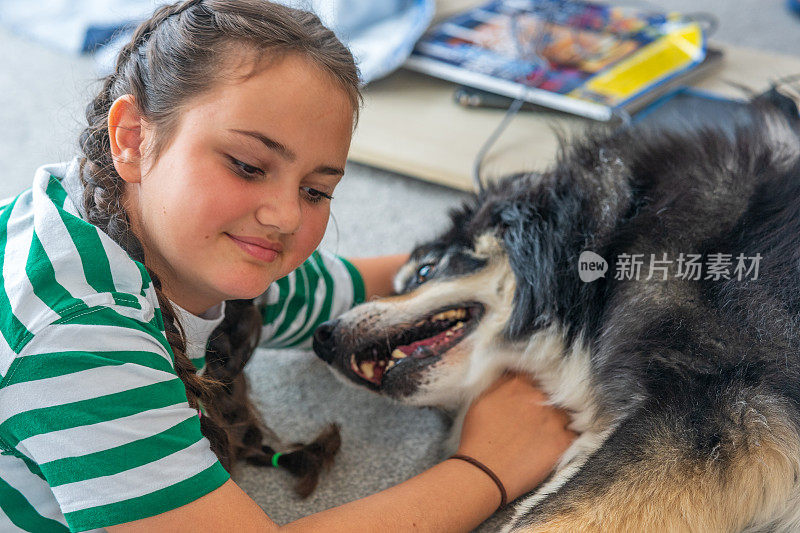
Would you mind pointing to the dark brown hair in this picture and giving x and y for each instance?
(173, 57)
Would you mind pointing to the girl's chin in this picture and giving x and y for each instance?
(245, 280)
(244, 289)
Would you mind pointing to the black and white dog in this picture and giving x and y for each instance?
(650, 281)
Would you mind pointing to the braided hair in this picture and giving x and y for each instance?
(172, 57)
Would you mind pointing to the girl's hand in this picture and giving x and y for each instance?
(511, 430)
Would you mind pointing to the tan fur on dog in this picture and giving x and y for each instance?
(670, 492)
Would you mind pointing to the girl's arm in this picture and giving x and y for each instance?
(378, 273)
(451, 496)
(510, 429)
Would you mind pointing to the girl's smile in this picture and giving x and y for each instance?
(259, 248)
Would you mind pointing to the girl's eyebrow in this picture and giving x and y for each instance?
(286, 153)
(272, 144)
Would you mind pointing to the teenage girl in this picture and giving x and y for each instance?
(201, 193)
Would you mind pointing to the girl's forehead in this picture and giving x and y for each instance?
(282, 75)
(292, 102)
(240, 61)
(240, 66)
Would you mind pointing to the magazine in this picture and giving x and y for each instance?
(581, 57)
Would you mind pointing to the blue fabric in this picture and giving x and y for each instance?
(73, 25)
(99, 34)
(380, 33)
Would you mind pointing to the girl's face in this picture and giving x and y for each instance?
(240, 195)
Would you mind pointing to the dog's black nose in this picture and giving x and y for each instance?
(324, 341)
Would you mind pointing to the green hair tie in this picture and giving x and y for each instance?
(275, 459)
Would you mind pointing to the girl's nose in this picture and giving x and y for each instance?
(281, 210)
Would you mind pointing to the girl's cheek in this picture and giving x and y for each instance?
(315, 222)
(321, 223)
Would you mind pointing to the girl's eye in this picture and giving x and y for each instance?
(247, 171)
(424, 272)
(315, 195)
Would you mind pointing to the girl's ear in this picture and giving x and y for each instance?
(125, 136)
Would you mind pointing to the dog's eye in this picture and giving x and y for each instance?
(424, 272)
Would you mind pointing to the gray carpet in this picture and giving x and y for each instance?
(376, 212)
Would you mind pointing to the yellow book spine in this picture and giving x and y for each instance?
(666, 55)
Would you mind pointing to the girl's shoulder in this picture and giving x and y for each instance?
(56, 265)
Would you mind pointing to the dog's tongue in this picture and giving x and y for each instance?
(427, 347)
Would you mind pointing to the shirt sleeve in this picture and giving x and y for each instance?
(323, 287)
(94, 407)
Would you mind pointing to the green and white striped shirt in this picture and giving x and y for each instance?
(95, 428)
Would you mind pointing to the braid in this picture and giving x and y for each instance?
(172, 57)
(229, 349)
(141, 34)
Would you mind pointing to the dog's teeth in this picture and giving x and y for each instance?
(382, 363)
(457, 326)
(420, 323)
(398, 354)
(368, 369)
(453, 314)
(353, 365)
(390, 364)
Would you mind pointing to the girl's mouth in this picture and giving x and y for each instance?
(258, 248)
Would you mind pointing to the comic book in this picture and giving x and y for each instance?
(576, 56)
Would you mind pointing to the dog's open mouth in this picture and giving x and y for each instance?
(427, 339)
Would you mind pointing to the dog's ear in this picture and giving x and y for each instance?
(534, 241)
(546, 225)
